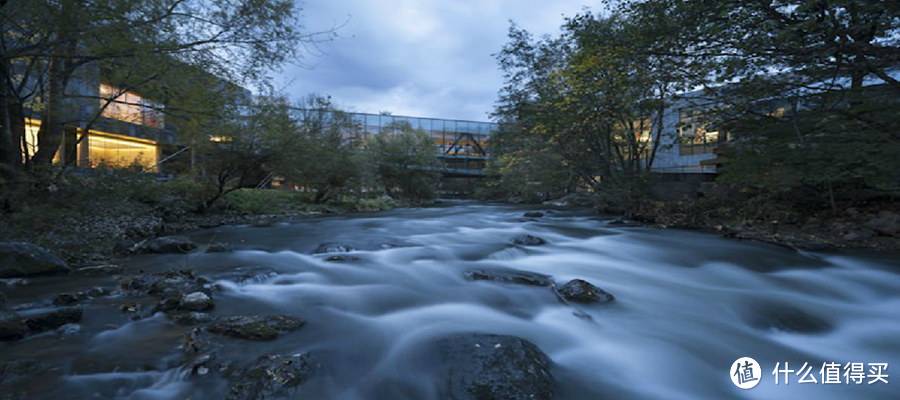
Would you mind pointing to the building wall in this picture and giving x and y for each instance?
(669, 156)
(109, 141)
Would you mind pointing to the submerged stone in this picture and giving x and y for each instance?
(341, 258)
(533, 214)
(66, 299)
(256, 327)
(507, 275)
(528, 240)
(19, 259)
(218, 248)
(581, 291)
(485, 366)
(786, 318)
(325, 248)
(272, 377)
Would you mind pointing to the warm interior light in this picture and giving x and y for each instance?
(118, 152)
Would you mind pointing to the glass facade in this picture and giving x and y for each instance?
(130, 107)
(99, 148)
(461, 144)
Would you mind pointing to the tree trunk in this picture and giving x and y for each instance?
(7, 144)
(50, 134)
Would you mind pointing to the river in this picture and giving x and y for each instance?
(687, 304)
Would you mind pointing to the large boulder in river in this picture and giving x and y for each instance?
(166, 244)
(12, 326)
(19, 259)
(274, 376)
(256, 327)
(581, 291)
(485, 366)
(196, 301)
(507, 275)
(528, 240)
(53, 319)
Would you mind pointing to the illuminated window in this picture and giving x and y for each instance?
(130, 107)
(694, 129)
(220, 139)
(119, 152)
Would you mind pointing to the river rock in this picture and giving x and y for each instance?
(341, 258)
(53, 319)
(325, 248)
(256, 327)
(247, 274)
(191, 318)
(18, 259)
(885, 223)
(528, 240)
(574, 200)
(124, 247)
(166, 244)
(507, 275)
(533, 214)
(218, 248)
(272, 377)
(785, 317)
(12, 326)
(858, 235)
(169, 284)
(485, 366)
(581, 291)
(2, 301)
(66, 299)
(100, 270)
(196, 301)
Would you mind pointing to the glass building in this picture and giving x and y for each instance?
(463, 145)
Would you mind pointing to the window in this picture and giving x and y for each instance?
(130, 107)
(120, 152)
(695, 134)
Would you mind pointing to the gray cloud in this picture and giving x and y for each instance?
(416, 57)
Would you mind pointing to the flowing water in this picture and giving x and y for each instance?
(687, 305)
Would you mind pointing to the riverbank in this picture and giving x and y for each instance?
(871, 226)
(89, 220)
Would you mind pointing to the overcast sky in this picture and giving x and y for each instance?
(430, 58)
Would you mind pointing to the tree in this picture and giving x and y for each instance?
(320, 151)
(406, 161)
(807, 90)
(47, 45)
(590, 97)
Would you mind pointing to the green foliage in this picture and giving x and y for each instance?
(814, 131)
(265, 201)
(586, 105)
(525, 170)
(317, 149)
(406, 162)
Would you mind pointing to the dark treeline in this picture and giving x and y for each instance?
(805, 92)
